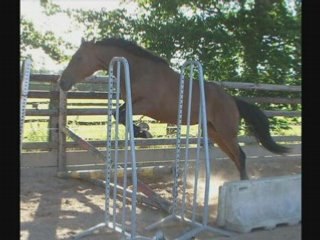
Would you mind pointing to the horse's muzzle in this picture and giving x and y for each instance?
(65, 86)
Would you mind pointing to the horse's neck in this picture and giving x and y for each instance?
(139, 66)
(105, 54)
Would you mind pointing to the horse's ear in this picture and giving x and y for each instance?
(93, 41)
(82, 40)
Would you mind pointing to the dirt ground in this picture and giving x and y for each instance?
(54, 208)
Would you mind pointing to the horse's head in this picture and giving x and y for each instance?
(82, 64)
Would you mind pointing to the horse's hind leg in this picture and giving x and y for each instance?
(232, 149)
(243, 167)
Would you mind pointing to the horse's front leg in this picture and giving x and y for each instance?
(122, 114)
(137, 131)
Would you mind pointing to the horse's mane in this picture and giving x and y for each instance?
(131, 47)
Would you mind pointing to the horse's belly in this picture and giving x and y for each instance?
(171, 117)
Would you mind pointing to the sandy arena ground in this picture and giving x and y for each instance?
(54, 208)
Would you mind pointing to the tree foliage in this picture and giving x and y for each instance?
(47, 41)
(236, 40)
(252, 41)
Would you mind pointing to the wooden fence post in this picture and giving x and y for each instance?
(53, 124)
(62, 135)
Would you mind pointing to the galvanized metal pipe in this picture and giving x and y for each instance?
(24, 96)
(116, 144)
(186, 160)
(129, 144)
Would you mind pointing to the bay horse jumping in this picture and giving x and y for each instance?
(155, 94)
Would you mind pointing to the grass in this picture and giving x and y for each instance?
(36, 129)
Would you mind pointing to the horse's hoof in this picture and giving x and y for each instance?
(144, 126)
(143, 134)
(148, 134)
(245, 177)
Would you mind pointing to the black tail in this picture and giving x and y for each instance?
(259, 124)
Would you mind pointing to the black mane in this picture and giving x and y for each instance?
(132, 48)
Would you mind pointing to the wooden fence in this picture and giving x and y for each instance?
(45, 153)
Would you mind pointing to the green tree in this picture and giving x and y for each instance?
(251, 41)
(236, 40)
(31, 38)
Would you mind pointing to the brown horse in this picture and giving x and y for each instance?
(155, 94)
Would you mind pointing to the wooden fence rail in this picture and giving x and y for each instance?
(46, 146)
(225, 84)
(52, 94)
(103, 95)
(104, 111)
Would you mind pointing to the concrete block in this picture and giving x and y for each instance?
(263, 203)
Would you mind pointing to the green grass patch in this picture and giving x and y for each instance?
(94, 127)
(37, 131)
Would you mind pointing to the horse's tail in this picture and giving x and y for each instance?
(258, 123)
